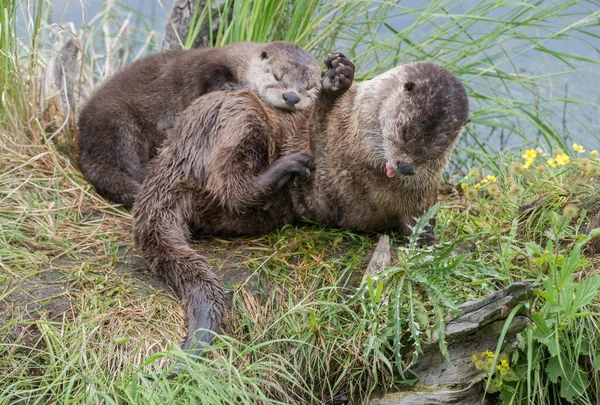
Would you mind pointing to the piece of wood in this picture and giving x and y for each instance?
(477, 329)
(381, 256)
(180, 19)
(57, 101)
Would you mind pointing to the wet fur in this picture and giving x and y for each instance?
(228, 169)
(212, 177)
(126, 120)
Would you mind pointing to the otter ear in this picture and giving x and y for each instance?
(264, 55)
(409, 86)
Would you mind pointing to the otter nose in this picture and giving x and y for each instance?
(407, 169)
(290, 98)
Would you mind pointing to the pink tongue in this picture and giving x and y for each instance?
(390, 171)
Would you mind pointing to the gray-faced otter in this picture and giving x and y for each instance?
(378, 150)
(126, 120)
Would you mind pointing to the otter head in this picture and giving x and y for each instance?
(422, 112)
(284, 76)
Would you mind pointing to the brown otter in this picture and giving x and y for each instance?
(378, 151)
(126, 120)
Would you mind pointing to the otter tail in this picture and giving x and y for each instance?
(163, 237)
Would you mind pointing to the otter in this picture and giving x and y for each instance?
(126, 120)
(365, 157)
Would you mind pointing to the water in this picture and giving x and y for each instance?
(580, 122)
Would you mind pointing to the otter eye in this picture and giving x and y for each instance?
(278, 75)
(264, 55)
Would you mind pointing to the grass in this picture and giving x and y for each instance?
(305, 326)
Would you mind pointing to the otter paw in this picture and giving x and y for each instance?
(285, 169)
(340, 73)
(298, 164)
(426, 239)
(232, 86)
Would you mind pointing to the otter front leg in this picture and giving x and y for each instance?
(427, 238)
(339, 75)
(336, 81)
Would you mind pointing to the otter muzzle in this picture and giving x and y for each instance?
(291, 98)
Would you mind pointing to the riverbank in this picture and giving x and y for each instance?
(82, 320)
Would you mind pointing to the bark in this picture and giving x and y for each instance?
(180, 19)
(57, 101)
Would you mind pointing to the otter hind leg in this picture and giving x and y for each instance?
(120, 186)
(283, 170)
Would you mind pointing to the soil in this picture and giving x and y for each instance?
(49, 294)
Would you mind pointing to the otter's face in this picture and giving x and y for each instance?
(421, 119)
(285, 76)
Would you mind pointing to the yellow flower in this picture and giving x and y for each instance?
(578, 148)
(531, 154)
(562, 159)
(528, 164)
(484, 181)
(464, 186)
(546, 251)
(491, 178)
(594, 153)
(551, 162)
(477, 186)
(487, 354)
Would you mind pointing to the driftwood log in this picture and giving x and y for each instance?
(478, 329)
(180, 20)
(57, 102)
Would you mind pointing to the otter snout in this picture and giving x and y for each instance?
(291, 98)
(407, 169)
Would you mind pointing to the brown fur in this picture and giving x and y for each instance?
(227, 167)
(126, 120)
